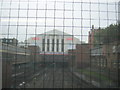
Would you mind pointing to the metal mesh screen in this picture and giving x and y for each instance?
(59, 43)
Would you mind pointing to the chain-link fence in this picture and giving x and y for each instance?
(59, 43)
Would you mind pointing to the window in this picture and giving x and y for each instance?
(114, 49)
(11, 41)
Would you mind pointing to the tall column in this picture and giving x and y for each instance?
(46, 44)
(60, 46)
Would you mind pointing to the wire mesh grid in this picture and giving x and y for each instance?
(60, 43)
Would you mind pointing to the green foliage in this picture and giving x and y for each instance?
(95, 74)
(106, 35)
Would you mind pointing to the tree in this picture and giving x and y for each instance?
(107, 35)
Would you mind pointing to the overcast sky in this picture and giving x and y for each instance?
(73, 18)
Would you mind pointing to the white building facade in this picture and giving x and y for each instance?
(54, 41)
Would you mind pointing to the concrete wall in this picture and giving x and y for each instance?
(11, 55)
(6, 70)
(54, 58)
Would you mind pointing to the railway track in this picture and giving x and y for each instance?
(58, 78)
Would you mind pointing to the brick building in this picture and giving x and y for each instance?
(98, 59)
(10, 41)
(79, 57)
(91, 36)
(106, 56)
(12, 56)
(72, 57)
(111, 52)
(82, 55)
(35, 53)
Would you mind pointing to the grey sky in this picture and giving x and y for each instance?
(105, 17)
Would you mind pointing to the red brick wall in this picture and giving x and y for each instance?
(108, 53)
(35, 53)
(91, 37)
(82, 55)
(71, 58)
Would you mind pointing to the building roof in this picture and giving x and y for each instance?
(55, 32)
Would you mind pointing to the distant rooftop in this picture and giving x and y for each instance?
(55, 32)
